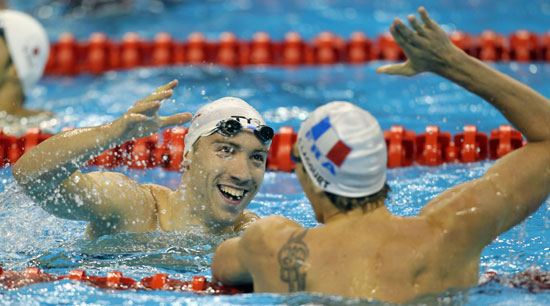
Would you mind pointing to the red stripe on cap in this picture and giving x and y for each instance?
(338, 153)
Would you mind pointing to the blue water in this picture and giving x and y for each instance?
(31, 237)
(308, 17)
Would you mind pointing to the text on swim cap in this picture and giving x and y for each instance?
(316, 175)
(248, 120)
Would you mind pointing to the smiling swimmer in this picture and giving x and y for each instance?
(224, 164)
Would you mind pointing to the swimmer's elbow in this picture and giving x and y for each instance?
(22, 176)
(226, 265)
(229, 277)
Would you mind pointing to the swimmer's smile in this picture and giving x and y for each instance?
(232, 194)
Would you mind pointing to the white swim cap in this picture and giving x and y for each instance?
(343, 150)
(28, 45)
(206, 119)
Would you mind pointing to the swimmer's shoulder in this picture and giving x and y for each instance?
(266, 233)
(273, 222)
(161, 191)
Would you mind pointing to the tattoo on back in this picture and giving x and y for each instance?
(292, 257)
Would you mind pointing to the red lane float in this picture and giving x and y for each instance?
(9, 150)
(115, 280)
(431, 146)
(228, 51)
(279, 152)
(401, 146)
(492, 47)
(163, 47)
(359, 48)
(503, 141)
(472, 145)
(524, 46)
(99, 54)
(293, 50)
(404, 147)
(261, 50)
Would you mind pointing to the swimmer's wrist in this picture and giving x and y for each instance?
(453, 63)
(113, 134)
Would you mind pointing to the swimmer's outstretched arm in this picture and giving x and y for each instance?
(429, 49)
(517, 184)
(49, 173)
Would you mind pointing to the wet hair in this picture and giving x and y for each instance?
(366, 203)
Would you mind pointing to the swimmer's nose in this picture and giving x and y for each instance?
(239, 170)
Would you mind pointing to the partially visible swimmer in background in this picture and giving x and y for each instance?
(24, 50)
(225, 154)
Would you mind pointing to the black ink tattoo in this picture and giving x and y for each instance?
(292, 258)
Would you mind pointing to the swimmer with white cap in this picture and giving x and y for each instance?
(224, 163)
(24, 50)
(362, 250)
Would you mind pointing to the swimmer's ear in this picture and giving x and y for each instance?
(185, 164)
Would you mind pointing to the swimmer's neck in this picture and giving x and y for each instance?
(182, 212)
(377, 210)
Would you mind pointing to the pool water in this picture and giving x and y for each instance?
(308, 17)
(31, 237)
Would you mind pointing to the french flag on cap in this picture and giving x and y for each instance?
(327, 143)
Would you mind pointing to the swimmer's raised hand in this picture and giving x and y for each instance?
(142, 118)
(427, 46)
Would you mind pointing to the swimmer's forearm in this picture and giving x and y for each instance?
(525, 108)
(55, 159)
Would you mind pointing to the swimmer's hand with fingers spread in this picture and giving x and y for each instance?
(142, 118)
(61, 155)
(49, 173)
(427, 46)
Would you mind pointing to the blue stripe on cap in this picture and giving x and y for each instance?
(320, 128)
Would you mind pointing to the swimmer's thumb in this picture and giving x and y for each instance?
(177, 119)
(401, 69)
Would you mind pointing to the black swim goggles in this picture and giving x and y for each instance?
(232, 127)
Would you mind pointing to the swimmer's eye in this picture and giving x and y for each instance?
(258, 158)
(225, 150)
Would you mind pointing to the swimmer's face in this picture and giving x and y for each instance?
(225, 173)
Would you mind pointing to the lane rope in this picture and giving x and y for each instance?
(404, 147)
(99, 54)
(115, 280)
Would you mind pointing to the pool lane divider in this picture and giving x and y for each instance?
(534, 280)
(115, 280)
(99, 54)
(404, 147)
